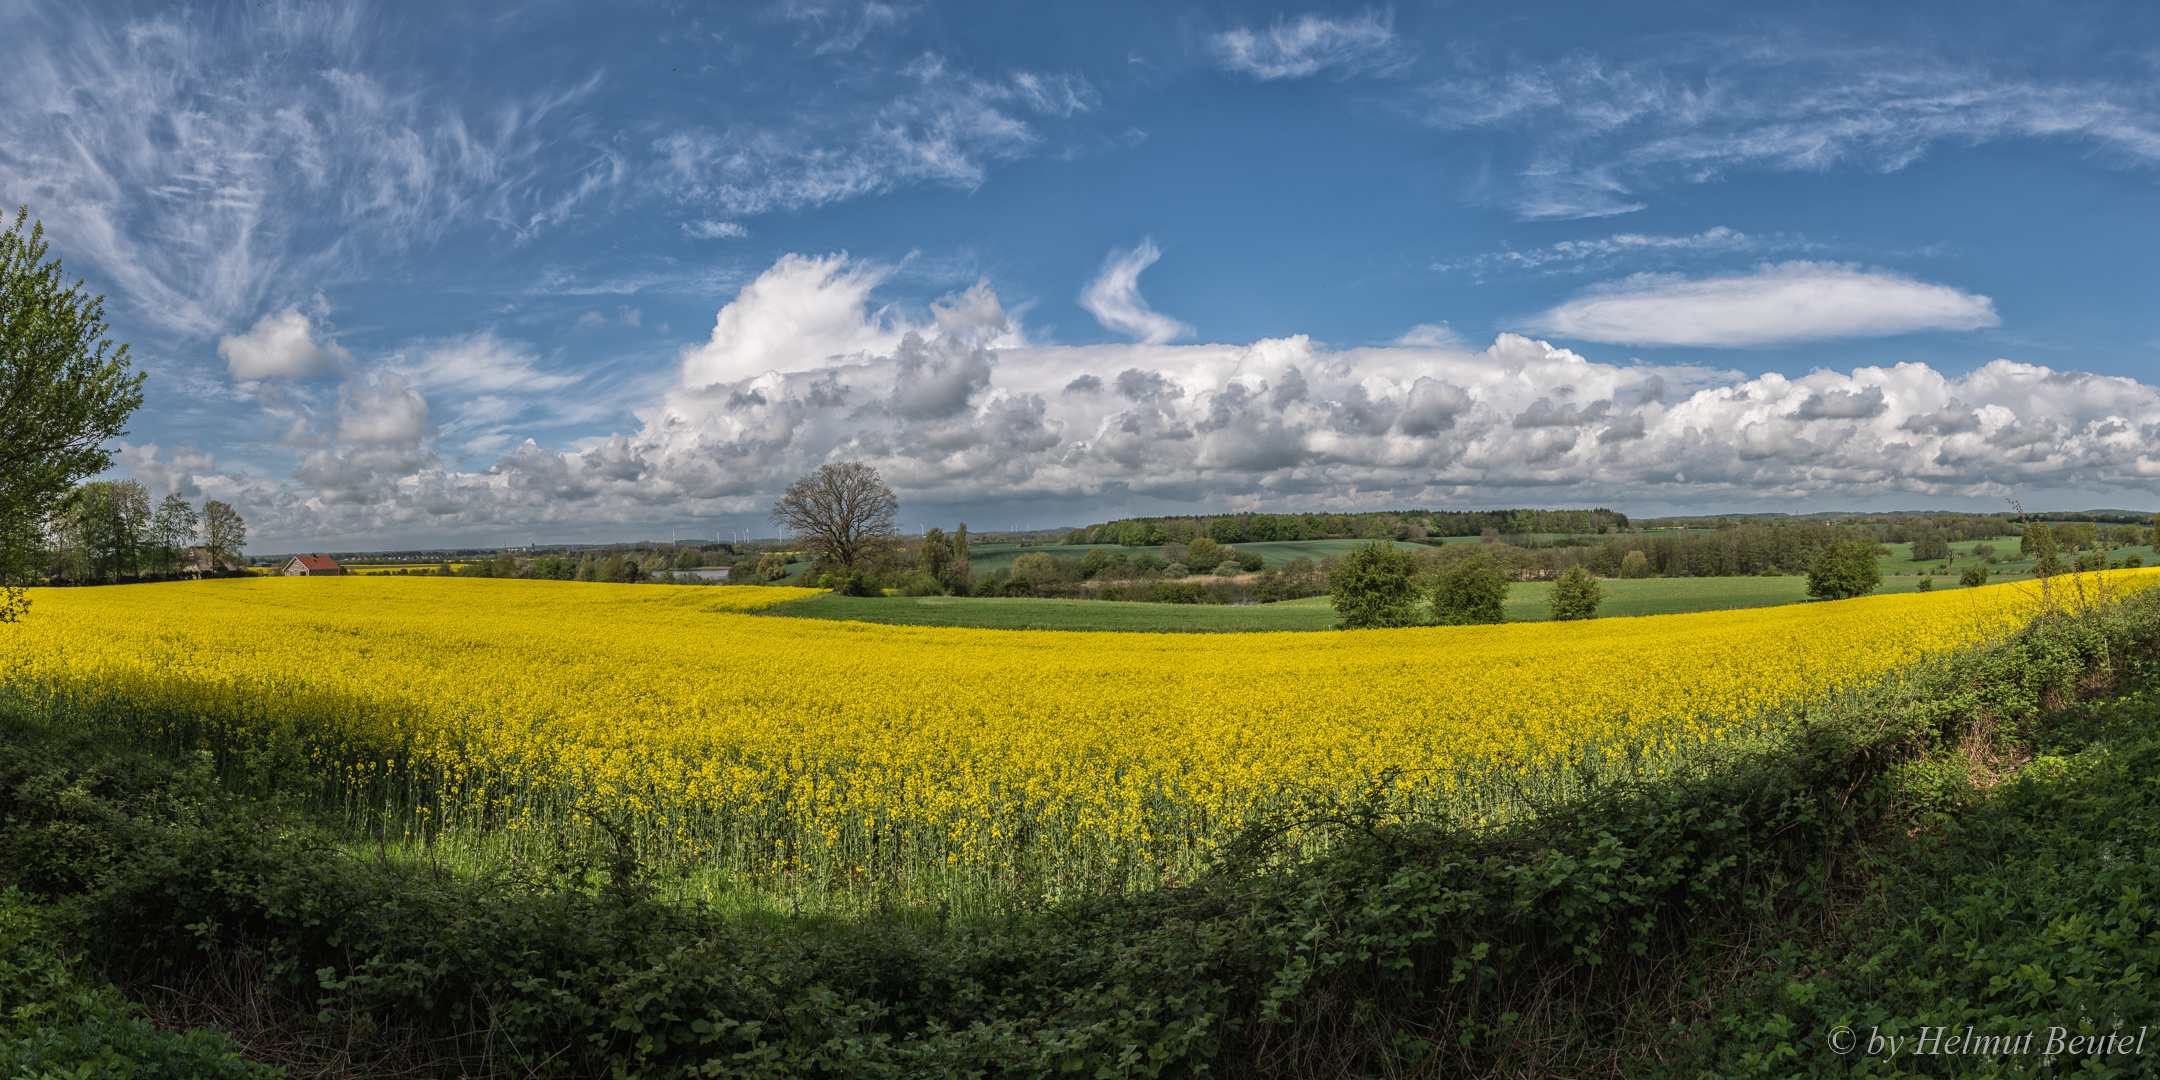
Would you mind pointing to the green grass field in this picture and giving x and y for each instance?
(1526, 603)
(1036, 614)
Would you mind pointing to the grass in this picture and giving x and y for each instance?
(987, 613)
(1526, 603)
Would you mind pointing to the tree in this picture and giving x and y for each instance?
(1845, 568)
(935, 556)
(111, 522)
(1974, 576)
(843, 511)
(1375, 586)
(1931, 547)
(1472, 591)
(1204, 555)
(1094, 562)
(2047, 562)
(1635, 564)
(64, 390)
(224, 534)
(172, 529)
(960, 573)
(1575, 596)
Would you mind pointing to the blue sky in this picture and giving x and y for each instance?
(413, 274)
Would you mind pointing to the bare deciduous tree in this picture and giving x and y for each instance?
(842, 511)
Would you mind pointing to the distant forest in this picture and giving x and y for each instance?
(1380, 525)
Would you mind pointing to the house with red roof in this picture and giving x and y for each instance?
(311, 565)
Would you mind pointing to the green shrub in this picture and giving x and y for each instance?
(1575, 596)
(1844, 569)
(1375, 585)
(1472, 590)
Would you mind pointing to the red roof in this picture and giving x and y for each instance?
(317, 562)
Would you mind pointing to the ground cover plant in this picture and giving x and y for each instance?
(1636, 928)
(506, 714)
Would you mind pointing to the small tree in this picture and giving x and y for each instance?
(960, 573)
(935, 556)
(2047, 561)
(1575, 596)
(1375, 586)
(1094, 563)
(1472, 591)
(1974, 576)
(172, 529)
(1845, 568)
(1204, 555)
(842, 511)
(1635, 564)
(224, 534)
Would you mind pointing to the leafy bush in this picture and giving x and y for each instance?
(1575, 596)
(1376, 586)
(1471, 590)
(1844, 569)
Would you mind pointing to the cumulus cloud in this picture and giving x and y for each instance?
(1115, 301)
(1309, 45)
(1793, 301)
(804, 367)
(285, 344)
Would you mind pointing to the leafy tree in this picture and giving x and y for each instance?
(1375, 585)
(1974, 576)
(1575, 596)
(1845, 568)
(1471, 591)
(689, 559)
(1931, 547)
(772, 566)
(842, 511)
(1249, 561)
(1635, 564)
(113, 525)
(172, 530)
(1094, 562)
(960, 573)
(1203, 555)
(1927, 583)
(936, 554)
(2047, 561)
(64, 390)
(224, 534)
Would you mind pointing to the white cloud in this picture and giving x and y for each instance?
(201, 176)
(286, 344)
(716, 230)
(939, 126)
(1793, 301)
(959, 410)
(1115, 301)
(1309, 45)
(802, 309)
(1577, 256)
(1437, 335)
(1595, 135)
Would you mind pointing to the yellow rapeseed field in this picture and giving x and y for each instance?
(715, 736)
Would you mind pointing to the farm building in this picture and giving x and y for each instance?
(311, 565)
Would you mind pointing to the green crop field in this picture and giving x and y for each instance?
(1022, 613)
(1526, 603)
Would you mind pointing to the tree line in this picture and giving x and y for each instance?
(1411, 525)
(108, 531)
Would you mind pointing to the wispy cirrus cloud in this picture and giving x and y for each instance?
(938, 125)
(1592, 136)
(1309, 45)
(1774, 304)
(204, 172)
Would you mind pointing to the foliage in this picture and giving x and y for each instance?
(843, 511)
(1575, 596)
(1846, 568)
(65, 390)
(224, 534)
(1472, 590)
(1974, 576)
(1376, 586)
